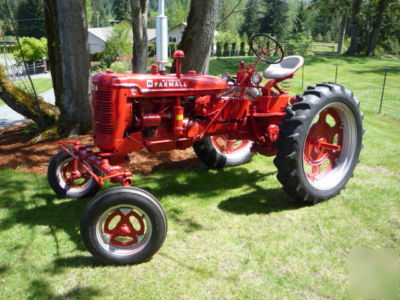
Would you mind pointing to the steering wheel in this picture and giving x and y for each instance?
(266, 48)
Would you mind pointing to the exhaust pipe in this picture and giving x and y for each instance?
(162, 36)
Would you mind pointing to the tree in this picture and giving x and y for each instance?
(274, 21)
(139, 26)
(331, 16)
(355, 21)
(377, 26)
(228, 19)
(300, 20)
(89, 12)
(42, 113)
(122, 10)
(101, 12)
(177, 12)
(70, 65)
(390, 33)
(252, 15)
(30, 19)
(2, 28)
(119, 43)
(198, 35)
(342, 32)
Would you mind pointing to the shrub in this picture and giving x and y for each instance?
(119, 44)
(33, 49)
(96, 56)
(121, 66)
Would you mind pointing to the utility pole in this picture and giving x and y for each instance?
(162, 36)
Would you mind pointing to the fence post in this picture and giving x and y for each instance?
(383, 92)
(336, 73)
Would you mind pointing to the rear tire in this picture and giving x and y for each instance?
(218, 152)
(319, 143)
(123, 225)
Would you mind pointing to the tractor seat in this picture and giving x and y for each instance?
(285, 68)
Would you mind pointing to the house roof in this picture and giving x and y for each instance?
(104, 33)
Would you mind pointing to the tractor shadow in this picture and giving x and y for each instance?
(36, 205)
(204, 183)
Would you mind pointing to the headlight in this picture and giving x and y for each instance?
(256, 78)
(225, 77)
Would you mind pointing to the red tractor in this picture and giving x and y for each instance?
(316, 138)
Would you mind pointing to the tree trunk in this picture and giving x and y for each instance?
(342, 33)
(139, 27)
(198, 35)
(70, 64)
(42, 113)
(355, 28)
(378, 22)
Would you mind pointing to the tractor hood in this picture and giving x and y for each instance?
(157, 85)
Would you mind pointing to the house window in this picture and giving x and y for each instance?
(172, 39)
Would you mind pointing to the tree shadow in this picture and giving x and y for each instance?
(391, 70)
(78, 261)
(64, 215)
(57, 216)
(3, 269)
(40, 289)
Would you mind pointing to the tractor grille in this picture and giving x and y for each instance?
(103, 112)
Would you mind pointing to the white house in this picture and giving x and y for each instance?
(175, 36)
(175, 33)
(98, 37)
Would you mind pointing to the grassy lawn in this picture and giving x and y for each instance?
(233, 233)
(41, 85)
(362, 75)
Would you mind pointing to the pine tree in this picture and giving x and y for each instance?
(89, 12)
(101, 13)
(275, 19)
(122, 10)
(252, 15)
(30, 19)
(300, 20)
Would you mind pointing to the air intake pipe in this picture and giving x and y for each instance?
(162, 36)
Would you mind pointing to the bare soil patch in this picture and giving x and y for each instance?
(18, 150)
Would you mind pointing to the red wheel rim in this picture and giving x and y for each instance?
(73, 180)
(124, 234)
(227, 146)
(323, 144)
(124, 229)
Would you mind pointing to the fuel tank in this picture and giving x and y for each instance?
(159, 85)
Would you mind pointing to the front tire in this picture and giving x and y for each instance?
(124, 225)
(319, 143)
(218, 152)
(60, 180)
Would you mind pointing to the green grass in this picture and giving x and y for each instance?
(362, 75)
(7, 56)
(41, 85)
(233, 233)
